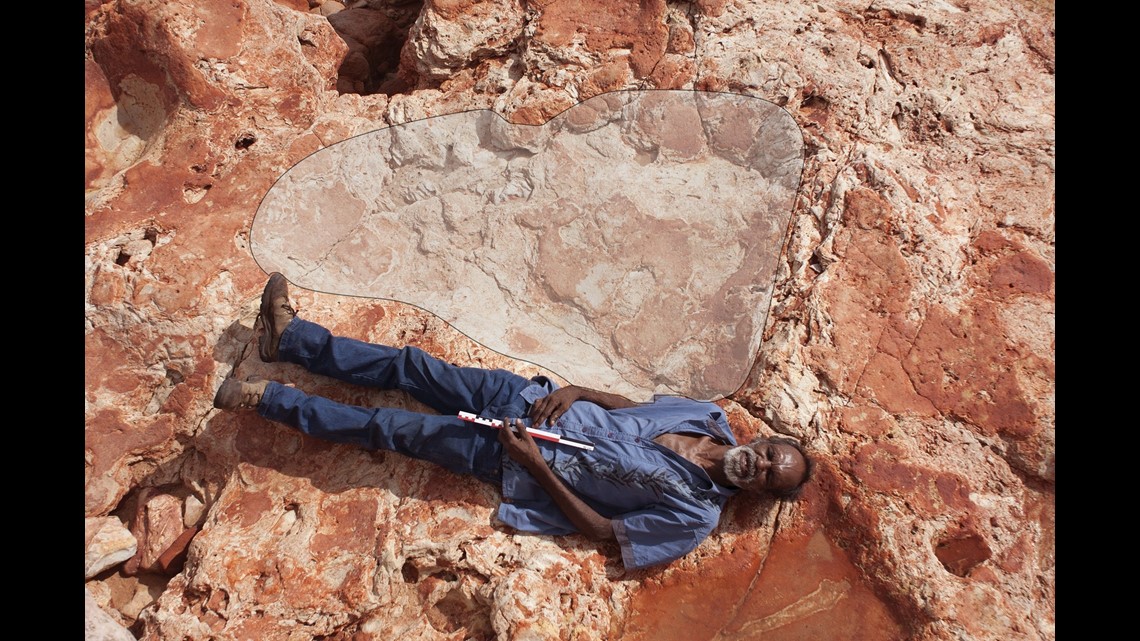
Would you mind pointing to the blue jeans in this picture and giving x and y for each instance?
(443, 439)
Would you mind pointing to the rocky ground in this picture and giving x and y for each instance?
(910, 343)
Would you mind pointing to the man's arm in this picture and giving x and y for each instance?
(551, 407)
(521, 447)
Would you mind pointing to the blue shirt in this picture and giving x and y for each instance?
(661, 504)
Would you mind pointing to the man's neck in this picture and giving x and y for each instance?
(701, 451)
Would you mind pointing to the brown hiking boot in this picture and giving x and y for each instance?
(276, 313)
(236, 395)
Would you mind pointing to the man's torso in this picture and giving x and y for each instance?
(639, 461)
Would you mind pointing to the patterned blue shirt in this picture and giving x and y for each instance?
(661, 504)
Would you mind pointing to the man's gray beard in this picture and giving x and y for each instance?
(735, 460)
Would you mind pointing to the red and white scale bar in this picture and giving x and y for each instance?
(543, 434)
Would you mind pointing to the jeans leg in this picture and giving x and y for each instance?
(442, 386)
(463, 448)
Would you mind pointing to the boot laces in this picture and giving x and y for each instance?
(284, 306)
(250, 397)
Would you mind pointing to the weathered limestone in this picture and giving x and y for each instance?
(107, 543)
(631, 242)
(100, 626)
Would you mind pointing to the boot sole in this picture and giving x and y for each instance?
(274, 288)
(223, 400)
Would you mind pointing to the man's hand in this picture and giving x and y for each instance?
(521, 447)
(551, 407)
(520, 444)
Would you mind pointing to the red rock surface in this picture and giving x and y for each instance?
(911, 344)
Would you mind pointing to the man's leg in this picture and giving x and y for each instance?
(458, 446)
(442, 386)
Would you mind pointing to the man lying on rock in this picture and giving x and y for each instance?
(655, 480)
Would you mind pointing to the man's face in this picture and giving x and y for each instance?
(763, 465)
